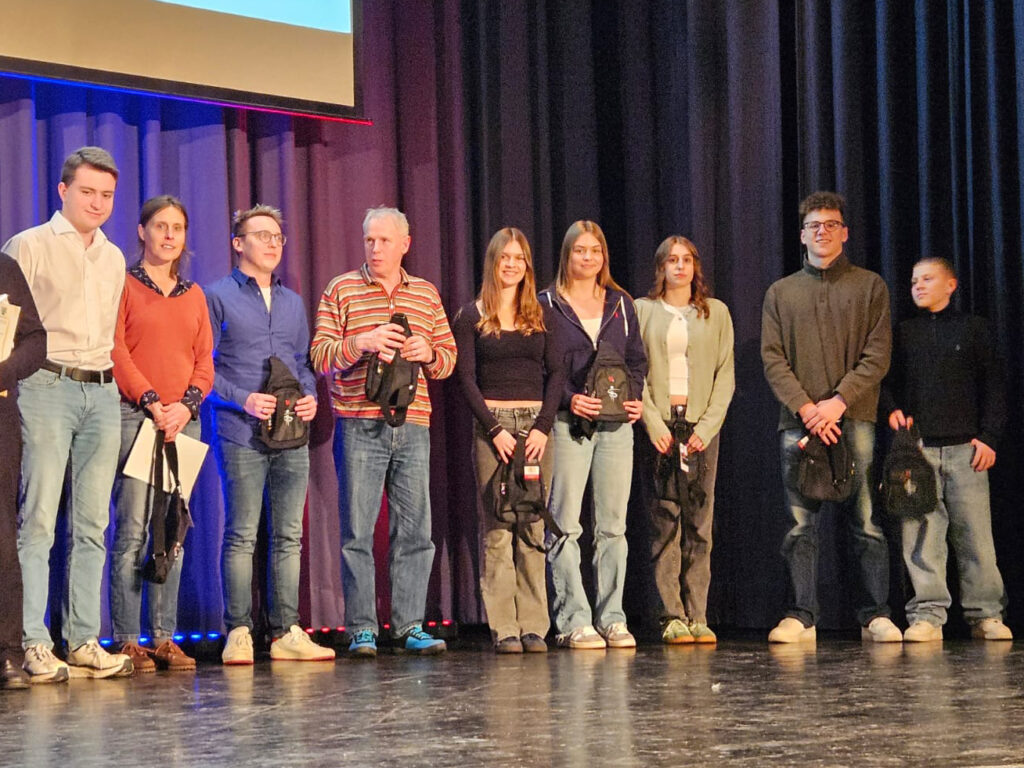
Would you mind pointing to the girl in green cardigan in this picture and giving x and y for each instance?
(690, 381)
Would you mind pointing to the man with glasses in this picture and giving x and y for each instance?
(371, 455)
(825, 343)
(254, 317)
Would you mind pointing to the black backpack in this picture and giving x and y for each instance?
(283, 429)
(674, 483)
(825, 472)
(518, 494)
(391, 384)
(608, 380)
(908, 480)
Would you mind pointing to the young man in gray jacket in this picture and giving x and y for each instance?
(825, 343)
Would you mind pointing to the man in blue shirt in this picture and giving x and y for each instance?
(254, 317)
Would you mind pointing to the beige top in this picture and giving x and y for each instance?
(77, 290)
(675, 341)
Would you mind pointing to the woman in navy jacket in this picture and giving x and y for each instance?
(588, 308)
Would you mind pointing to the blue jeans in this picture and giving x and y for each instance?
(606, 460)
(964, 514)
(249, 478)
(370, 456)
(867, 541)
(62, 418)
(131, 540)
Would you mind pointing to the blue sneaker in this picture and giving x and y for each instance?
(363, 644)
(420, 643)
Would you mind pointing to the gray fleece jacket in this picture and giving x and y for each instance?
(826, 332)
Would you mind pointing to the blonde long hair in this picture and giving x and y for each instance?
(699, 291)
(528, 313)
(572, 234)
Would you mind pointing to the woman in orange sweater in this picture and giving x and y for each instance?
(163, 364)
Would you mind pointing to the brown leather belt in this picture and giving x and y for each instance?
(79, 374)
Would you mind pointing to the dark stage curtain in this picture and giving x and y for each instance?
(704, 118)
(713, 120)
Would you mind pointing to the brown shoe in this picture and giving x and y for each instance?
(141, 657)
(170, 657)
(533, 643)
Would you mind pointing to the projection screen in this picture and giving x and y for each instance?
(293, 55)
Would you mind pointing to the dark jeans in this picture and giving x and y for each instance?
(868, 544)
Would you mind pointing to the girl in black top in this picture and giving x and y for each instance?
(512, 376)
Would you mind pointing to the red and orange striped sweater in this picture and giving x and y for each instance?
(354, 303)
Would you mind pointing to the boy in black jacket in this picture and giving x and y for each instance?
(946, 378)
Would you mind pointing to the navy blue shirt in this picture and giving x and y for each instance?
(245, 336)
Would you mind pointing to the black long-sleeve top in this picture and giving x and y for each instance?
(30, 337)
(509, 366)
(947, 374)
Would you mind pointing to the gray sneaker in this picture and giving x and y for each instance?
(43, 667)
(90, 660)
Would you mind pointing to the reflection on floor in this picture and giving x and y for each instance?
(744, 703)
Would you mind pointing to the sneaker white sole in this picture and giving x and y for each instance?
(57, 676)
(91, 673)
(296, 657)
(631, 643)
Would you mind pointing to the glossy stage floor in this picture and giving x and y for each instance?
(836, 703)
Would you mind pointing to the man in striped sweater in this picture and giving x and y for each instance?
(371, 457)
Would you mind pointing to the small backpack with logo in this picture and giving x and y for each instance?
(283, 428)
(908, 480)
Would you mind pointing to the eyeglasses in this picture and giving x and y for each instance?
(830, 226)
(265, 237)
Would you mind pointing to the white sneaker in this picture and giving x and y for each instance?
(922, 632)
(881, 630)
(792, 630)
(991, 629)
(581, 638)
(618, 636)
(91, 660)
(237, 647)
(296, 645)
(42, 666)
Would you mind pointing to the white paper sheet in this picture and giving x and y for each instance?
(191, 453)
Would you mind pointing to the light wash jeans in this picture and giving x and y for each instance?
(370, 456)
(964, 514)
(250, 478)
(61, 418)
(131, 545)
(867, 541)
(606, 461)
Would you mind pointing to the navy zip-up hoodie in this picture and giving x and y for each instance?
(619, 328)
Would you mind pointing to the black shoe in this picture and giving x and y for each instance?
(12, 677)
(508, 644)
(533, 643)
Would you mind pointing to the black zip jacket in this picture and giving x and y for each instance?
(947, 375)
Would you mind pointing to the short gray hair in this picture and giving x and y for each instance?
(383, 212)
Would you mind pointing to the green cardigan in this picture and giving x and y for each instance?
(709, 356)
